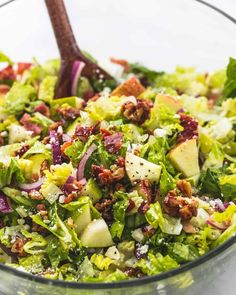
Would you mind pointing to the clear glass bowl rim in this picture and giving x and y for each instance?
(134, 282)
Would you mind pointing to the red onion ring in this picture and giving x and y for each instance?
(83, 161)
(4, 205)
(75, 75)
(27, 187)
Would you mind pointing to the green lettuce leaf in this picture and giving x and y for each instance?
(10, 172)
(56, 251)
(209, 183)
(32, 263)
(36, 243)
(5, 58)
(119, 208)
(230, 83)
(156, 264)
(228, 186)
(46, 88)
(181, 252)
(18, 96)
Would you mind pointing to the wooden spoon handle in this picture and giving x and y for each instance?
(61, 25)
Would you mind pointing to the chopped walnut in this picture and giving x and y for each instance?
(185, 188)
(137, 113)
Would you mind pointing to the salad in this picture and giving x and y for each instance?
(115, 184)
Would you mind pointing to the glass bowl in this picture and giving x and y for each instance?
(160, 34)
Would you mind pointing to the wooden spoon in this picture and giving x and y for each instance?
(70, 52)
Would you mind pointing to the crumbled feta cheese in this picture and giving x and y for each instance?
(61, 199)
(159, 132)
(60, 130)
(48, 146)
(137, 235)
(143, 249)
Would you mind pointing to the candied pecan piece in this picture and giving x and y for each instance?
(105, 208)
(131, 87)
(131, 206)
(185, 188)
(107, 176)
(42, 211)
(35, 195)
(120, 161)
(190, 126)
(68, 113)
(44, 166)
(137, 113)
(43, 109)
(113, 142)
(71, 197)
(178, 206)
(18, 247)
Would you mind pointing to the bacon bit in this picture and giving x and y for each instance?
(22, 66)
(105, 208)
(18, 247)
(26, 122)
(113, 142)
(190, 126)
(133, 272)
(121, 62)
(148, 231)
(142, 209)
(120, 161)
(144, 189)
(35, 195)
(7, 73)
(22, 150)
(178, 206)
(43, 109)
(131, 206)
(4, 89)
(137, 113)
(64, 147)
(68, 113)
(83, 133)
(131, 87)
(185, 188)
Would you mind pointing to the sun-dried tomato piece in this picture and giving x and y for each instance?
(113, 142)
(137, 113)
(43, 109)
(190, 126)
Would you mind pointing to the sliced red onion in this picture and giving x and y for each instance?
(4, 205)
(27, 187)
(75, 75)
(56, 148)
(219, 205)
(217, 226)
(83, 161)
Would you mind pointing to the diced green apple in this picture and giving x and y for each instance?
(82, 218)
(184, 157)
(92, 190)
(139, 169)
(96, 235)
(169, 101)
